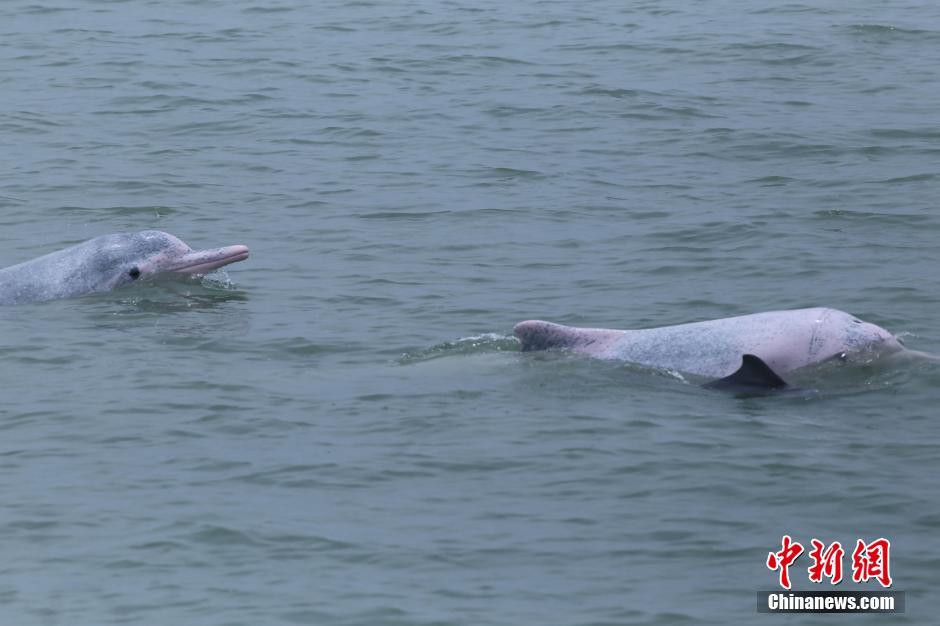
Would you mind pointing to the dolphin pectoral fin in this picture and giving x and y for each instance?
(753, 375)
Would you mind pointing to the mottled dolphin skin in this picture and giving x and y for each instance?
(783, 340)
(107, 262)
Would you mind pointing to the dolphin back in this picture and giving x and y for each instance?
(41, 278)
(60, 274)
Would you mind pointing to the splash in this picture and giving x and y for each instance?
(477, 344)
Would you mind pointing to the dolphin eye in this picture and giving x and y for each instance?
(134, 273)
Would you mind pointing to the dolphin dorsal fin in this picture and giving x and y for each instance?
(753, 374)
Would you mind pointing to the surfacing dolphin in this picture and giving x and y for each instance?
(108, 262)
(745, 352)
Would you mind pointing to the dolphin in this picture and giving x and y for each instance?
(108, 262)
(745, 352)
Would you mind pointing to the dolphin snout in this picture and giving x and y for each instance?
(203, 261)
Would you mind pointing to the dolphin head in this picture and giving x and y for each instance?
(119, 259)
(861, 338)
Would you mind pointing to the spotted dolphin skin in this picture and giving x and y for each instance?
(108, 262)
(746, 351)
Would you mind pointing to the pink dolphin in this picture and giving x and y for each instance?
(758, 348)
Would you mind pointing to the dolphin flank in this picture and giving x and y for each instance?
(775, 343)
(108, 262)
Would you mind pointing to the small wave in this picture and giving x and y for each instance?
(218, 279)
(167, 294)
(477, 344)
(890, 30)
(927, 133)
